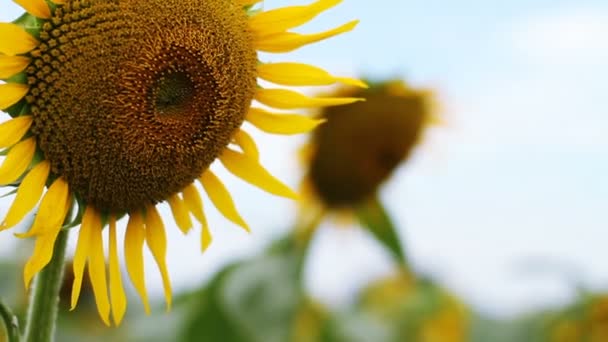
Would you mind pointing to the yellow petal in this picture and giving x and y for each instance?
(37, 8)
(286, 124)
(251, 171)
(206, 237)
(14, 40)
(97, 271)
(11, 93)
(219, 195)
(247, 2)
(17, 160)
(283, 19)
(157, 243)
(43, 252)
(48, 215)
(247, 144)
(298, 74)
(180, 213)
(13, 130)
(83, 248)
(193, 201)
(134, 260)
(60, 2)
(288, 99)
(289, 41)
(12, 65)
(117, 292)
(28, 194)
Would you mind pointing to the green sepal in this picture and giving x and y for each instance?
(376, 220)
(30, 24)
(19, 108)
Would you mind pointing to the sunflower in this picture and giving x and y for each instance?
(362, 144)
(118, 106)
(584, 320)
(416, 309)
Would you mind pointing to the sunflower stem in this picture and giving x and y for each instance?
(11, 323)
(304, 233)
(42, 310)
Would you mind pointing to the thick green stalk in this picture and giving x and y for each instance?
(42, 310)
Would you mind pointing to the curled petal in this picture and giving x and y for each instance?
(247, 144)
(289, 41)
(18, 159)
(157, 243)
(180, 213)
(28, 194)
(97, 271)
(285, 18)
(206, 237)
(298, 74)
(221, 198)
(48, 215)
(193, 201)
(251, 171)
(279, 123)
(195, 204)
(90, 220)
(117, 292)
(134, 244)
(288, 99)
(43, 252)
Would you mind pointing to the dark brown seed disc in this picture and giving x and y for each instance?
(361, 144)
(132, 100)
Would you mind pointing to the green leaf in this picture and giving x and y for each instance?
(262, 296)
(356, 327)
(251, 301)
(206, 318)
(375, 219)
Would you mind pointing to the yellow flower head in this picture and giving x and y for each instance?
(416, 309)
(586, 320)
(118, 106)
(362, 143)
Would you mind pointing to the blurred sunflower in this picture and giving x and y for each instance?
(358, 148)
(415, 309)
(118, 106)
(586, 320)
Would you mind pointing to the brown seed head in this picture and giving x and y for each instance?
(361, 144)
(132, 100)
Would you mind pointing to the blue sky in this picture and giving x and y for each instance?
(516, 180)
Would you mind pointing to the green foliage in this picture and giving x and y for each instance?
(255, 300)
(376, 220)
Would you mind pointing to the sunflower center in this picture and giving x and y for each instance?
(361, 144)
(174, 92)
(132, 100)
